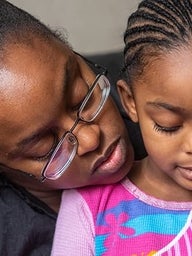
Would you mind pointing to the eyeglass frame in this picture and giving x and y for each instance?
(77, 120)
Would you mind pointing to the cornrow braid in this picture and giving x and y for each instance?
(155, 27)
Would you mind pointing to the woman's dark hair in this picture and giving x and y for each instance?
(18, 26)
(157, 26)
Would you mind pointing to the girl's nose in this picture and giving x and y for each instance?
(88, 136)
(188, 143)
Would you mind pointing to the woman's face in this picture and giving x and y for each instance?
(42, 87)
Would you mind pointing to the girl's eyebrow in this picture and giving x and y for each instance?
(167, 106)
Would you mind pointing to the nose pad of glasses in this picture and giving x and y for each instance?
(71, 139)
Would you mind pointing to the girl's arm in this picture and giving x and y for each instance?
(74, 234)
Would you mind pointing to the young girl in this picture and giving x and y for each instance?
(149, 212)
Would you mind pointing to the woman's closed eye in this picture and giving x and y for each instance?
(42, 149)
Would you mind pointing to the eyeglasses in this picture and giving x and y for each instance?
(90, 108)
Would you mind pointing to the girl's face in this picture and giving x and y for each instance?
(162, 103)
(42, 86)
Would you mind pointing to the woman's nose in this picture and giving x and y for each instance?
(88, 136)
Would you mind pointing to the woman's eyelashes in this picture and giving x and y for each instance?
(44, 148)
(78, 99)
(45, 156)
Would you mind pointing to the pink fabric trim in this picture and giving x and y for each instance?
(172, 205)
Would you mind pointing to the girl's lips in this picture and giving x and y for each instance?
(112, 161)
(186, 172)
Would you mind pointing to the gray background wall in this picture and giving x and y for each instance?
(91, 26)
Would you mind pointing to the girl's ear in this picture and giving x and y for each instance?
(127, 100)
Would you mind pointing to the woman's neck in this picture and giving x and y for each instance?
(52, 198)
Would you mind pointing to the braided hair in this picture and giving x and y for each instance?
(156, 27)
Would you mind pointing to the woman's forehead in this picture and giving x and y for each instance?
(43, 51)
(33, 65)
(29, 86)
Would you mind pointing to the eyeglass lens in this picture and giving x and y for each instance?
(67, 147)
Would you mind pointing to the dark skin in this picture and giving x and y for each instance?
(41, 86)
(161, 101)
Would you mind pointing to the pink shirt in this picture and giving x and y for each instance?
(120, 220)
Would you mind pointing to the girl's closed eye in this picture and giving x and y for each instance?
(169, 130)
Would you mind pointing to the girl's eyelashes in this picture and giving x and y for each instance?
(168, 130)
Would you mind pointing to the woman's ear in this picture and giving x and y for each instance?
(127, 99)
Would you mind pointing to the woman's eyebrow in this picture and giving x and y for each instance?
(34, 136)
(66, 74)
(167, 106)
(26, 141)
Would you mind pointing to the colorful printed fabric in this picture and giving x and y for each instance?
(127, 222)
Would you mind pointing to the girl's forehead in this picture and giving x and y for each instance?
(167, 65)
(168, 79)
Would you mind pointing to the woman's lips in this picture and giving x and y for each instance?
(112, 161)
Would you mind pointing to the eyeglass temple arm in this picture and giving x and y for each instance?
(105, 71)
